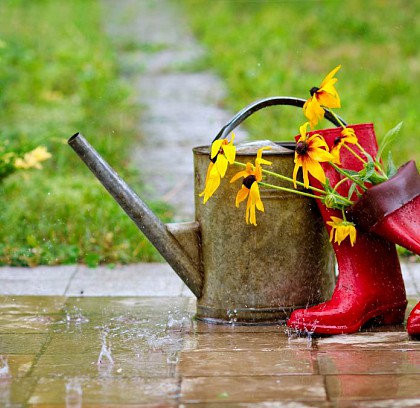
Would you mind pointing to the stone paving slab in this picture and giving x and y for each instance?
(142, 279)
(148, 351)
(42, 280)
(146, 279)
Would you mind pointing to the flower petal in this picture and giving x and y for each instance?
(303, 130)
(313, 111)
(295, 171)
(349, 136)
(352, 234)
(250, 212)
(315, 169)
(215, 148)
(259, 160)
(328, 97)
(256, 198)
(207, 178)
(242, 194)
(330, 76)
(319, 155)
(242, 173)
(212, 184)
(221, 164)
(230, 153)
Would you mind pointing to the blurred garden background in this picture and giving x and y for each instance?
(59, 74)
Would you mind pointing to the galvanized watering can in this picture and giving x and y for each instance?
(239, 273)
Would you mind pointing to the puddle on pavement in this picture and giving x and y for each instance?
(126, 350)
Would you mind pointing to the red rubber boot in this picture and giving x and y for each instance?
(392, 209)
(413, 322)
(370, 284)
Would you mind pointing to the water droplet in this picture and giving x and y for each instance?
(4, 368)
(75, 316)
(172, 358)
(232, 316)
(73, 393)
(105, 356)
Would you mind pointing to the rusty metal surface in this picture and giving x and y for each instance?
(259, 274)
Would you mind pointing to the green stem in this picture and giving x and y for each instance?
(285, 178)
(337, 118)
(354, 153)
(341, 171)
(318, 190)
(339, 183)
(290, 190)
(377, 165)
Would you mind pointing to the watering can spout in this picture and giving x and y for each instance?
(173, 241)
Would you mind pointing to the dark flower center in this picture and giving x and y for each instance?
(313, 90)
(248, 181)
(301, 148)
(337, 140)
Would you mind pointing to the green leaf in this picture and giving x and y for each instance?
(352, 189)
(351, 172)
(368, 171)
(376, 178)
(391, 170)
(388, 139)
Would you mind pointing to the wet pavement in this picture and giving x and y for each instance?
(131, 340)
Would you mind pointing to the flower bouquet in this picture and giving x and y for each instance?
(366, 208)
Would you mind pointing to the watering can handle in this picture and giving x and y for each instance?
(264, 103)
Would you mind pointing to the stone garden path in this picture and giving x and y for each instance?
(180, 105)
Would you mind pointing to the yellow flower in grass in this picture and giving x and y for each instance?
(251, 176)
(325, 96)
(309, 152)
(222, 153)
(347, 136)
(341, 229)
(33, 159)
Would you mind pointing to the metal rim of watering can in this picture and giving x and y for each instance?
(264, 103)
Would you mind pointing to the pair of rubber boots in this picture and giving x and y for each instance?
(370, 285)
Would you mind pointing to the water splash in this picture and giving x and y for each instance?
(74, 393)
(157, 343)
(294, 335)
(232, 316)
(4, 368)
(172, 358)
(74, 316)
(184, 323)
(105, 356)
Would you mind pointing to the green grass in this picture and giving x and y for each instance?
(58, 75)
(266, 48)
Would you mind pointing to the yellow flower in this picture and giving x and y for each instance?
(341, 229)
(252, 175)
(33, 158)
(325, 96)
(222, 152)
(259, 160)
(309, 152)
(347, 136)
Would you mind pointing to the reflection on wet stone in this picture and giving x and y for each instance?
(152, 351)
